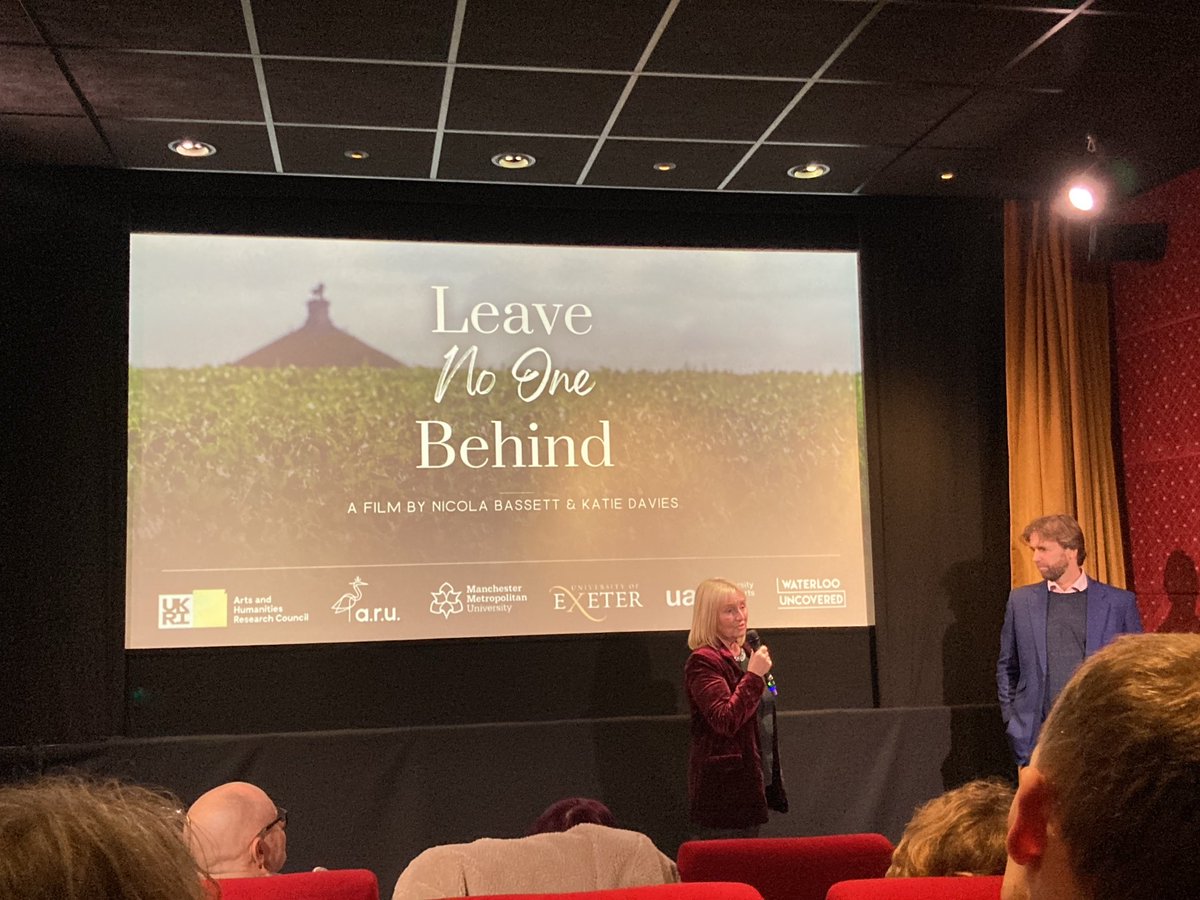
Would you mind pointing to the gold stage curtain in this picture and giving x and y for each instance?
(1060, 441)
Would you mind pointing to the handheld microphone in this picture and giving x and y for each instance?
(753, 641)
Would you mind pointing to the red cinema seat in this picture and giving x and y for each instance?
(709, 891)
(982, 887)
(336, 884)
(799, 868)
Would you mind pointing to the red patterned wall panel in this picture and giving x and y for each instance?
(1157, 314)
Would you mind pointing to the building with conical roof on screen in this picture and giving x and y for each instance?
(318, 342)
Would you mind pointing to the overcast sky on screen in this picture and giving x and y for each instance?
(209, 300)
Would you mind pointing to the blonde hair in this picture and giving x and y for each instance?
(711, 593)
(1120, 751)
(962, 832)
(68, 838)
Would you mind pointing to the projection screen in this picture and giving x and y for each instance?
(347, 440)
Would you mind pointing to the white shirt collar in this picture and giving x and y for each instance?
(1080, 584)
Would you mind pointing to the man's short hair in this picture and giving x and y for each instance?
(1121, 754)
(71, 839)
(961, 832)
(1061, 528)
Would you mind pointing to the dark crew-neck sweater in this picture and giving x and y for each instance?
(1066, 641)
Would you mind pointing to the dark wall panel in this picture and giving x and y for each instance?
(247, 690)
(932, 283)
(63, 258)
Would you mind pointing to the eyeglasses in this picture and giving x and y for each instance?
(280, 820)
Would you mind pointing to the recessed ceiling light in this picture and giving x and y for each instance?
(356, 154)
(513, 160)
(190, 147)
(664, 166)
(946, 176)
(812, 170)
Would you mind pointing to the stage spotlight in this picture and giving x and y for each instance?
(1081, 197)
(1084, 196)
(1086, 192)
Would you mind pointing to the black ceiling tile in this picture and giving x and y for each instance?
(215, 26)
(977, 173)
(992, 118)
(1155, 9)
(543, 102)
(1032, 122)
(335, 93)
(240, 148)
(849, 167)
(1153, 135)
(322, 151)
(623, 163)
(1077, 113)
(360, 29)
(1046, 4)
(593, 35)
(179, 87)
(15, 25)
(56, 140)
(1102, 51)
(31, 82)
(468, 157)
(789, 38)
(943, 43)
(699, 108)
(896, 114)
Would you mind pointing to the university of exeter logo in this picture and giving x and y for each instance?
(593, 601)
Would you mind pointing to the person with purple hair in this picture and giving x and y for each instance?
(571, 811)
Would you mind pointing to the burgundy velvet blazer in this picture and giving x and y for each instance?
(725, 783)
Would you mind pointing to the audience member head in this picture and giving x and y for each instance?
(566, 814)
(961, 832)
(706, 610)
(1061, 529)
(72, 839)
(1109, 806)
(236, 831)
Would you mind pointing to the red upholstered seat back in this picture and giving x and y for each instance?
(338, 884)
(801, 868)
(717, 891)
(985, 887)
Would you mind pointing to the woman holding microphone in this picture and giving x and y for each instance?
(725, 686)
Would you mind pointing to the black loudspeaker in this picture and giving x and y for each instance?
(1144, 242)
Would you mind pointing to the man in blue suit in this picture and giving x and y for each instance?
(1053, 626)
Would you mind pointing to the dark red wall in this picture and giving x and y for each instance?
(1157, 310)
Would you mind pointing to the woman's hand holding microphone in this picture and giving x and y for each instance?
(760, 662)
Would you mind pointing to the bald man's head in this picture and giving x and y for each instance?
(236, 831)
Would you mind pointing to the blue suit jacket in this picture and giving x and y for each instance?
(1021, 669)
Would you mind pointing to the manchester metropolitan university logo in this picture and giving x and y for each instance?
(446, 601)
